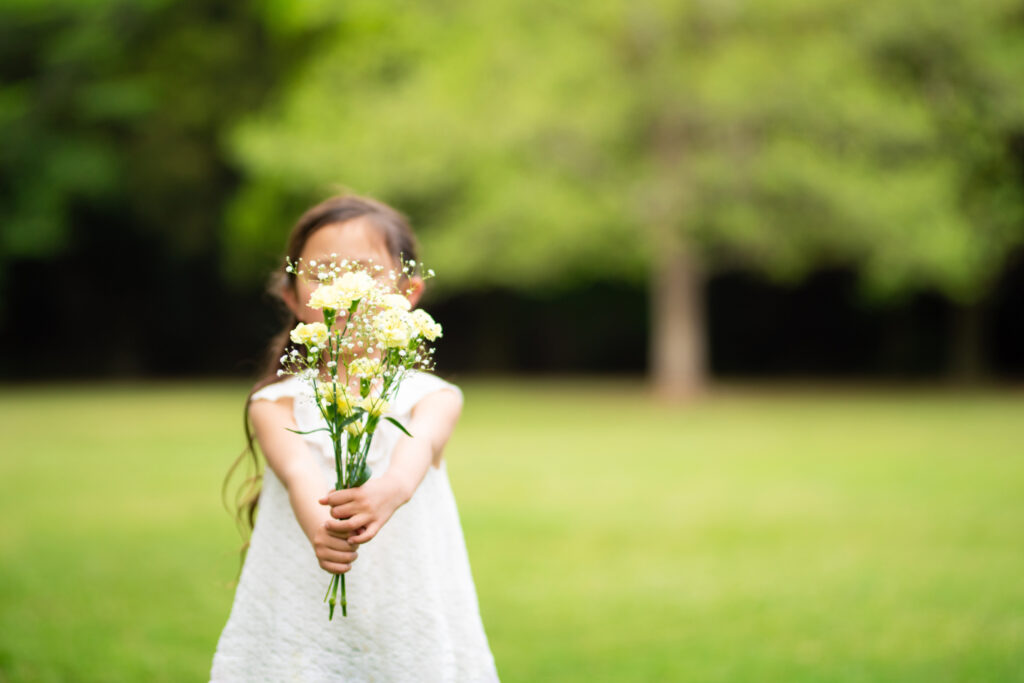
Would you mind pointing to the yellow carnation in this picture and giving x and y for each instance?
(355, 428)
(425, 325)
(396, 301)
(374, 405)
(327, 296)
(341, 398)
(364, 367)
(391, 327)
(313, 334)
(354, 286)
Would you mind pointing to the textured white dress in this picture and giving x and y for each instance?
(412, 606)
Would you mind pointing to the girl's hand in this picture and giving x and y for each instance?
(334, 550)
(359, 513)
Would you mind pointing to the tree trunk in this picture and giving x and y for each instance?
(677, 334)
(967, 351)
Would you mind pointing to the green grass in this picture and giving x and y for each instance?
(757, 536)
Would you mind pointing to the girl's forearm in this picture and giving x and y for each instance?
(433, 419)
(305, 486)
(289, 458)
(409, 463)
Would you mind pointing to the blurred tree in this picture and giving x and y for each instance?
(124, 101)
(111, 168)
(535, 144)
(965, 62)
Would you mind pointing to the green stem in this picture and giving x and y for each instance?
(333, 589)
(334, 577)
(341, 464)
(339, 467)
(344, 600)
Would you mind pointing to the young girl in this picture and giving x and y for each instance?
(412, 612)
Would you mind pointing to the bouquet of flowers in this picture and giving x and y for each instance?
(356, 359)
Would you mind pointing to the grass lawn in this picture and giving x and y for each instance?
(761, 535)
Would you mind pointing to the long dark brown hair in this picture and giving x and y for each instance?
(401, 245)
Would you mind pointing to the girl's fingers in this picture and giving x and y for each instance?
(347, 526)
(347, 511)
(337, 528)
(338, 497)
(336, 556)
(339, 543)
(335, 568)
(366, 534)
(343, 511)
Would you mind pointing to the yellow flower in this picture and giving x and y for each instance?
(391, 327)
(355, 428)
(341, 398)
(313, 334)
(327, 296)
(396, 301)
(425, 325)
(354, 286)
(364, 367)
(325, 390)
(339, 295)
(374, 405)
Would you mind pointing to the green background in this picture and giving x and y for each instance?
(787, 535)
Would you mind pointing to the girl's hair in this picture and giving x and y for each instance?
(401, 245)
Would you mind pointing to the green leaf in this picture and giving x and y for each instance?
(351, 418)
(399, 425)
(319, 429)
(363, 477)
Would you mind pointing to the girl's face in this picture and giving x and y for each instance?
(355, 240)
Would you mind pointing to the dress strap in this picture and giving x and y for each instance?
(288, 387)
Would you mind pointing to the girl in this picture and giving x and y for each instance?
(413, 612)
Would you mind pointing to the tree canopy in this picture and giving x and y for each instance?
(534, 143)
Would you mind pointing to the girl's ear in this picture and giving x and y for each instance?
(414, 290)
(290, 298)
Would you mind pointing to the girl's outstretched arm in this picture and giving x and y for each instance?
(363, 511)
(289, 458)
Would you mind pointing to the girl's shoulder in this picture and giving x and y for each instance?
(415, 386)
(288, 387)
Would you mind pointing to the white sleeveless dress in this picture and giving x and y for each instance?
(412, 606)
